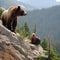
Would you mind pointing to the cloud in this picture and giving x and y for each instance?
(57, 0)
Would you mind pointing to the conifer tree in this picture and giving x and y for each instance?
(45, 44)
(35, 29)
(52, 53)
(26, 29)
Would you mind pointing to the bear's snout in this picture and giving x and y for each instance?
(25, 13)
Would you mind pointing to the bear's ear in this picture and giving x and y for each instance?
(18, 8)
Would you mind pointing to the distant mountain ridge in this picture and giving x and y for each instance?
(5, 4)
(41, 3)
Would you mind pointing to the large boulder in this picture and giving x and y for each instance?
(13, 47)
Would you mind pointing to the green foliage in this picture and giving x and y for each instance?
(19, 31)
(0, 12)
(40, 58)
(26, 29)
(45, 44)
(54, 55)
(34, 28)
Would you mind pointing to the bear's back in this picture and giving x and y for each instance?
(12, 8)
(4, 14)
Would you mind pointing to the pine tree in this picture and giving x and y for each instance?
(52, 53)
(35, 29)
(20, 31)
(26, 29)
(45, 44)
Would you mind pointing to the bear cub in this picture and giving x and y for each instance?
(9, 17)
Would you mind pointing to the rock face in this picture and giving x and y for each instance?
(13, 47)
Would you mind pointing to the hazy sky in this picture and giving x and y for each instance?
(41, 3)
(58, 0)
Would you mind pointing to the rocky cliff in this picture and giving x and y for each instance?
(13, 47)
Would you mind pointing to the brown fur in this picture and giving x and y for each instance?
(9, 17)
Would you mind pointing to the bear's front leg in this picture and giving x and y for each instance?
(14, 24)
(9, 25)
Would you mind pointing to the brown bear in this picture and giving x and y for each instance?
(9, 17)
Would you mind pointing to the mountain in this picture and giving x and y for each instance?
(6, 4)
(41, 3)
(47, 21)
(48, 3)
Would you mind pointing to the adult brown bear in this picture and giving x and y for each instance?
(9, 17)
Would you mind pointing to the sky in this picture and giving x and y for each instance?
(41, 3)
(58, 0)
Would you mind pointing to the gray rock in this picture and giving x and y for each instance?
(16, 46)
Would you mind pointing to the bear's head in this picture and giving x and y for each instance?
(17, 10)
(20, 11)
